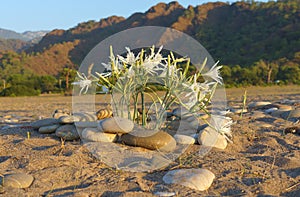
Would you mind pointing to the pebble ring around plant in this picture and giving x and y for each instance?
(131, 66)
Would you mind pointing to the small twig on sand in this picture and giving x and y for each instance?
(291, 187)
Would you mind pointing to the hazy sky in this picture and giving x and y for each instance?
(23, 15)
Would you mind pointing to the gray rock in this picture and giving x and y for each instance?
(211, 138)
(198, 179)
(93, 124)
(68, 119)
(92, 134)
(239, 111)
(67, 132)
(116, 125)
(259, 104)
(48, 129)
(160, 140)
(270, 110)
(44, 122)
(86, 116)
(184, 139)
(17, 180)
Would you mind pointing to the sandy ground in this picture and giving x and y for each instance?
(261, 161)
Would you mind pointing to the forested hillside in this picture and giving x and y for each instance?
(258, 42)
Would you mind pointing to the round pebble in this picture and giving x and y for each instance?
(158, 141)
(67, 132)
(184, 139)
(198, 179)
(48, 129)
(258, 104)
(92, 134)
(93, 124)
(211, 138)
(116, 125)
(44, 122)
(68, 119)
(17, 180)
(86, 116)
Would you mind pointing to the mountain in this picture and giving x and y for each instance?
(32, 36)
(241, 33)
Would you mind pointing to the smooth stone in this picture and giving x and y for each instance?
(184, 139)
(211, 138)
(279, 113)
(59, 114)
(294, 113)
(7, 116)
(48, 129)
(198, 179)
(284, 107)
(92, 134)
(17, 180)
(116, 125)
(259, 104)
(258, 114)
(270, 110)
(164, 194)
(44, 122)
(238, 111)
(86, 116)
(160, 140)
(67, 132)
(265, 125)
(68, 119)
(93, 124)
(11, 120)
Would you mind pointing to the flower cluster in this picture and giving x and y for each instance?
(134, 77)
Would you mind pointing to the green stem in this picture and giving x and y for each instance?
(143, 108)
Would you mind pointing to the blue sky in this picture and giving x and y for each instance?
(23, 15)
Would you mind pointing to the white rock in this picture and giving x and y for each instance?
(198, 179)
(210, 137)
(92, 134)
(116, 125)
(164, 194)
(268, 111)
(184, 139)
(17, 180)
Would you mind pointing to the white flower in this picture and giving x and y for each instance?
(214, 73)
(222, 124)
(84, 82)
(130, 57)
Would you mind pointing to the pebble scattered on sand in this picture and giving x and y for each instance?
(198, 179)
(184, 139)
(211, 138)
(17, 180)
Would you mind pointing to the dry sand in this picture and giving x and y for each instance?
(261, 161)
